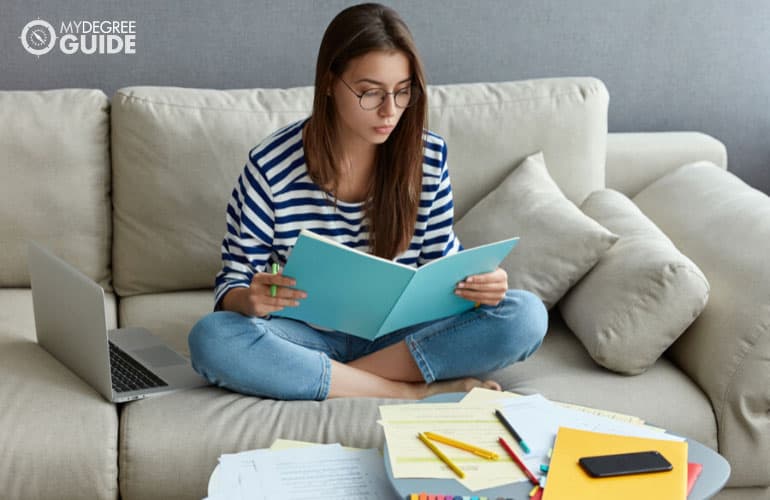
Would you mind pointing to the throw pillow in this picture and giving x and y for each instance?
(640, 297)
(558, 245)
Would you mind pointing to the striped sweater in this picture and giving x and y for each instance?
(274, 198)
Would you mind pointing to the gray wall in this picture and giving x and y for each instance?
(669, 65)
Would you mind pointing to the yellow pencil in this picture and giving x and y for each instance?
(489, 455)
(440, 455)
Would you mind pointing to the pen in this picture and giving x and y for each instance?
(274, 288)
(513, 432)
(440, 455)
(489, 455)
(530, 476)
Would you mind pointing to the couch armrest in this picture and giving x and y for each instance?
(723, 225)
(634, 160)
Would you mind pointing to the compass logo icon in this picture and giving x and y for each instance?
(38, 37)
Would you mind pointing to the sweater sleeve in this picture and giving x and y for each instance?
(440, 239)
(248, 242)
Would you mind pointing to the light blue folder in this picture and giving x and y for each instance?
(367, 296)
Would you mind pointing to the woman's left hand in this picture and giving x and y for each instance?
(488, 289)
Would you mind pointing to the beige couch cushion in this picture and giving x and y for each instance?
(170, 316)
(177, 152)
(723, 225)
(641, 295)
(58, 436)
(176, 155)
(492, 127)
(636, 159)
(55, 180)
(558, 245)
(169, 445)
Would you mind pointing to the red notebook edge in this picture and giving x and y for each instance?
(693, 471)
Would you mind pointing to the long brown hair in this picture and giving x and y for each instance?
(394, 193)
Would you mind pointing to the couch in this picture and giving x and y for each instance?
(132, 191)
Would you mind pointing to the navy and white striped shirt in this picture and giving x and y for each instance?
(275, 198)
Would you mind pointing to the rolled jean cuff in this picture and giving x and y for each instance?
(325, 381)
(419, 358)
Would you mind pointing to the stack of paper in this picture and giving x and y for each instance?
(472, 420)
(301, 471)
(477, 425)
(538, 420)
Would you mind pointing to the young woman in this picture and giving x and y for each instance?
(362, 170)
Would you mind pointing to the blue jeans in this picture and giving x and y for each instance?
(282, 358)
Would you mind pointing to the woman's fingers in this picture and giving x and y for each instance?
(287, 293)
(262, 298)
(488, 289)
(273, 279)
(284, 297)
(265, 304)
(496, 280)
(488, 298)
(482, 287)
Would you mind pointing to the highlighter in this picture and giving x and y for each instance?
(274, 288)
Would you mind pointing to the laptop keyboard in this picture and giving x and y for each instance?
(128, 374)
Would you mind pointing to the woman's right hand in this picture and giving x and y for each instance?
(256, 300)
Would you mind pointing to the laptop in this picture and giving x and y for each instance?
(123, 364)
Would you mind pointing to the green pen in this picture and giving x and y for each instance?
(274, 288)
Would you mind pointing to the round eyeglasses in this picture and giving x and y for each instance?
(374, 98)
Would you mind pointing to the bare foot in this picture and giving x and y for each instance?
(460, 385)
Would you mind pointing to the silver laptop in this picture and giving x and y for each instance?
(123, 364)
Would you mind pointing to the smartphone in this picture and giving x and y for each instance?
(625, 463)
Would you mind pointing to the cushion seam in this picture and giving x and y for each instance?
(208, 108)
(751, 343)
(593, 91)
(123, 455)
(115, 489)
(514, 101)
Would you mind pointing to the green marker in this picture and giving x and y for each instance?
(274, 288)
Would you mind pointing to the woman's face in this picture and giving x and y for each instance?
(389, 71)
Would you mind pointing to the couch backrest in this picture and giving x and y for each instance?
(177, 152)
(55, 181)
(491, 127)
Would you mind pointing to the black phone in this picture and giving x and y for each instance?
(625, 463)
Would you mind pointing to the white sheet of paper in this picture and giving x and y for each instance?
(283, 444)
(318, 473)
(537, 420)
(479, 395)
(225, 480)
(225, 485)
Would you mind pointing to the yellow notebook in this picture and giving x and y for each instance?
(566, 479)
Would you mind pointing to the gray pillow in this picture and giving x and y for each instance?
(558, 245)
(640, 297)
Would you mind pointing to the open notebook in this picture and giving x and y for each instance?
(367, 296)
